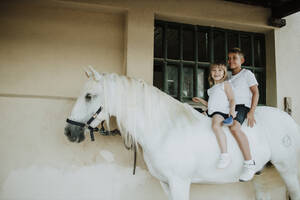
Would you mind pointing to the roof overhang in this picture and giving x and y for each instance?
(279, 8)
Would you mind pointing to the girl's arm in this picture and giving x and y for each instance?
(230, 96)
(200, 100)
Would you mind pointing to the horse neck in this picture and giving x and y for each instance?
(144, 112)
(131, 102)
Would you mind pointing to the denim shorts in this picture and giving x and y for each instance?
(242, 112)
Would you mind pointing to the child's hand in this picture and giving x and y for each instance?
(232, 113)
(251, 119)
(199, 100)
(196, 99)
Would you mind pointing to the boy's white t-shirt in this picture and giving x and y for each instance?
(241, 84)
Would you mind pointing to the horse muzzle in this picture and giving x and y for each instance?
(74, 133)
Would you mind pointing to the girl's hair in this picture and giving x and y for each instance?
(219, 65)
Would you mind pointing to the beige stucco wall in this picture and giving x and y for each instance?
(43, 49)
(271, 83)
(287, 48)
(44, 46)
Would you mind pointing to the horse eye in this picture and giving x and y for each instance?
(88, 97)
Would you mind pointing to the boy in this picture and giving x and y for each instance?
(245, 88)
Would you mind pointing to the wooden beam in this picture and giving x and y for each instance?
(263, 3)
(286, 9)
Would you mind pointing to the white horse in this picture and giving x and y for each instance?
(178, 143)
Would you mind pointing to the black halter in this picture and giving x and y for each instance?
(102, 131)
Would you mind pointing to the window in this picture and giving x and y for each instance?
(183, 53)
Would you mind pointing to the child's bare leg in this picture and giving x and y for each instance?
(241, 139)
(217, 128)
(224, 159)
(249, 168)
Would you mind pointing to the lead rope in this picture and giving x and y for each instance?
(134, 159)
(104, 132)
(133, 147)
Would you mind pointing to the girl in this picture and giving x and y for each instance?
(220, 106)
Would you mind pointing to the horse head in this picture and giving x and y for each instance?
(88, 111)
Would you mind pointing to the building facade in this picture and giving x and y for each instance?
(46, 44)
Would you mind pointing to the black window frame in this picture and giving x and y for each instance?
(163, 61)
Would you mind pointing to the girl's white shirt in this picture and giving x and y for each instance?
(218, 100)
(241, 84)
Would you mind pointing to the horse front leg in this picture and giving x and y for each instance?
(261, 192)
(179, 189)
(166, 189)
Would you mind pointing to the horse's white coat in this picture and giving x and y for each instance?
(178, 143)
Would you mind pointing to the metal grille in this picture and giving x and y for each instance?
(183, 53)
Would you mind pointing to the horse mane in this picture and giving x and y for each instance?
(135, 102)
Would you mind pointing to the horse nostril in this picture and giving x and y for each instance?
(67, 131)
(81, 137)
(68, 134)
(74, 133)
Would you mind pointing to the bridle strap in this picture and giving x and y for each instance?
(75, 123)
(87, 125)
(92, 135)
(88, 122)
(102, 130)
(94, 116)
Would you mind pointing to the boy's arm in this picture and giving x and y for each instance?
(255, 96)
(230, 96)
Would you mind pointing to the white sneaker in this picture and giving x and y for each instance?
(224, 161)
(248, 171)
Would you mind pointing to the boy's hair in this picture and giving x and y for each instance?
(237, 50)
(213, 65)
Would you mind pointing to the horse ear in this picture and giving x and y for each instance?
(87, 72)
(96, 76)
